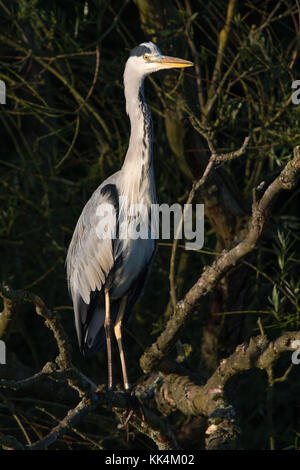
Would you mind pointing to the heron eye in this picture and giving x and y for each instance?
(146, 57)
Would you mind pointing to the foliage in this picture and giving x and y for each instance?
(64, 129)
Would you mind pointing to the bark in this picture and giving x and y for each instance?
(229, 259)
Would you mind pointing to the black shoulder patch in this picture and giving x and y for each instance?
(139, 51)
(111, 192)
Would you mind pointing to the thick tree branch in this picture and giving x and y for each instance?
(212, 274)
(209, 400)
(148, 422)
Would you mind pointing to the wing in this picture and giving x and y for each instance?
(90, 256)
(94, 337)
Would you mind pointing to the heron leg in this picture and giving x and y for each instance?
(108, 334)
(118, 335)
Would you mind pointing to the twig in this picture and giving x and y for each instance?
(223, 39)
(73, 140)
(211, 275)
(214, 161)
(94, 79)
(196, 57)
(111, 27)
(73, 416)
(154, 426)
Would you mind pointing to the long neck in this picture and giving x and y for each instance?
(137, 169)
(140, 142)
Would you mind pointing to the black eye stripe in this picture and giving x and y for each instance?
(140, 51)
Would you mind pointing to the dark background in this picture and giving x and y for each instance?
(61, 135)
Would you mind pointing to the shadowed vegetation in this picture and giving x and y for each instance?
(64, 130)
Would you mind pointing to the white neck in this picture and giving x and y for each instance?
(138, 166)
(140, 143)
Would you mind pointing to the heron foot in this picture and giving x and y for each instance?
(133, 404)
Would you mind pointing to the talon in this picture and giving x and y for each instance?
(128, 417)
(132, 405)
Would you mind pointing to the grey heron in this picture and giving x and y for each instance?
(106, 273)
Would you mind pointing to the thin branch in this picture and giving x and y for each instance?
(223, 39)
(193, 48)
(150, 424)
(94, 79)
(73, 416)
(214, 161)
(211, 275)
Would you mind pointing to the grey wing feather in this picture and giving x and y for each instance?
(90, 256)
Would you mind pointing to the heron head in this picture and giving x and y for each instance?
(147, 58)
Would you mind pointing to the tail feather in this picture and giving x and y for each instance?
(94, 337)
(90, 318)
(89, 322)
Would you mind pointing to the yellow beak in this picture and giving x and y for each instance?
(173, 62)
